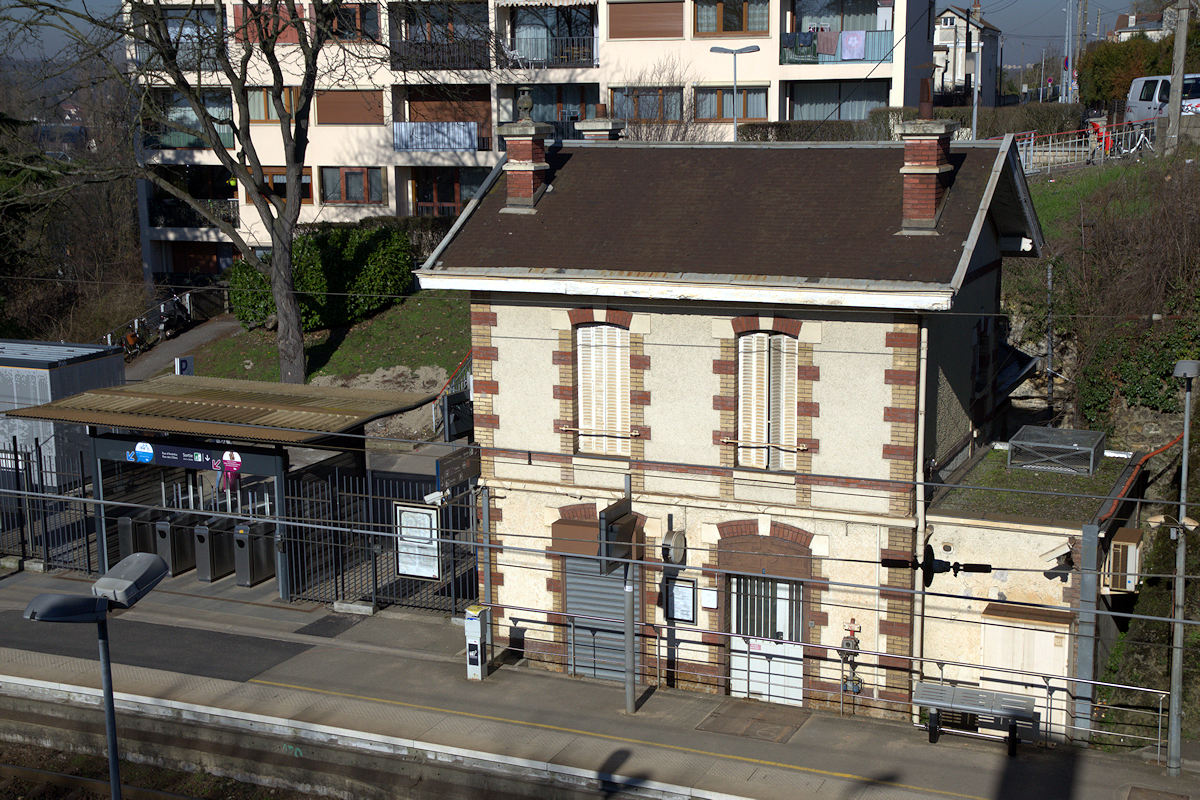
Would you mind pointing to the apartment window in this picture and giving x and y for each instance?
(648, 103)
(439, 23)
(767, 401)
(353, 185)
(444, 191)
(349, 107)
(731, 16)
(716, 104)
(947, 22)
(173, 123)
(602, 398)
(821, 100)
(276, 181)
(356, 21)
(836, 15)
(262, 103)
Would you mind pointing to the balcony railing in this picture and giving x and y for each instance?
(171, 212)
(564, 130)
(461, 54)
(460, 136)
(548, 52)
(169, 140)
(877, 46)
(192, 55)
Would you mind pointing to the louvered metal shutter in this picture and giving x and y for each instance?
(602, 357)
(783, 402)
(753, 369)
(596, 648)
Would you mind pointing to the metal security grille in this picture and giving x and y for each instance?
(756, 608)
(343, 544)
(59, 532)
(596, 647)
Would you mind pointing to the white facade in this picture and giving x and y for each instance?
(425, 156)
(966, 48)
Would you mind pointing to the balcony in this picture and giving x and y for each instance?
(564, 130)
(182, 140)
(204, 56)
(461, 54)
(171, 212)
(439, 136)
(877, 47)
(549, 52)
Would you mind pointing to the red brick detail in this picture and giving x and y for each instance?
(897, 452)
(894, 696)
(484, 353)
(815, 652)
(818, 617)
(678, 469)
(579, 511)
(553, 585)
(615, 316)
(786, 325)
(900, 377)
(897, 339)
(496, 514)
(722, 403)
(812, 445)
(808, 409)
(724, 367)
(562, 358)
(713, 638)
(497, 578)
(850, 483)
(791, 533)
(581, 316)
(564, 392)
(643, 432)
(639, 398)
(895, 594)
(483, 317)
(889, 627)
(738, 527)
(639, 362)
(891, 414)
(485, 387)
(894, 662)
(745, 324)
(719, 435)
(808, 372)
(487, 421)
(887, 553)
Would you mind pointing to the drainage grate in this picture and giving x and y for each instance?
(765, 721)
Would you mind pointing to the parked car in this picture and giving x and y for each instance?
(1148, 97)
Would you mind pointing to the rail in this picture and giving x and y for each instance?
(1094, 145)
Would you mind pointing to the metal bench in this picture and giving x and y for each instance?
(996, 709)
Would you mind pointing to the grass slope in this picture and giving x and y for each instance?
(428, 328)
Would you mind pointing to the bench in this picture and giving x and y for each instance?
(997, 709)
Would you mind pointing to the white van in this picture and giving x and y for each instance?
(1148, 97)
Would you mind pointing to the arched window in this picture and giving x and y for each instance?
(602, 389)
(767, 401)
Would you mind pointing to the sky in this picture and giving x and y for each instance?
(1035, 24)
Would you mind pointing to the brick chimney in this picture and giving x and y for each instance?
(926, 169)
(601, 128)
(525, 141)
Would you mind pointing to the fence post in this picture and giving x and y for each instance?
(21, 505)
(41, 489)
(485, 499)
(88, 536)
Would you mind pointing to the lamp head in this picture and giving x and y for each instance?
(1187, 369)
(66, 608)
(129, 580)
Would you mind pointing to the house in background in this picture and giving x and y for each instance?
(766, 344)
(1155, 27)
(966, 53)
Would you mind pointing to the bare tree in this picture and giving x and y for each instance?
(658, 104)
(200, 68)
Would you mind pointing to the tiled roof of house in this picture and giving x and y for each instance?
(807, 214)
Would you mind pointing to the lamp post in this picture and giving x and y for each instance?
(1186, 370)
(120, 587)
(752, 48)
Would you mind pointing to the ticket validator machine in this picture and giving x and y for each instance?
(475, 623)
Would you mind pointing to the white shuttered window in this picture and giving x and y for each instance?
(602, 389)
(767, 401)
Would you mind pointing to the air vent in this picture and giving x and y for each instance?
(1056, 450)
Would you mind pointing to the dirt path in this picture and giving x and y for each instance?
(162, 356)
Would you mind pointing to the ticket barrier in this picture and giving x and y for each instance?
(175, 538)
(135, 532)
(253, 552)
(214, 548)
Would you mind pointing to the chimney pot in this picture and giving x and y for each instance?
(526, 165)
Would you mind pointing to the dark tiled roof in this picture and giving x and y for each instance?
(824, 212)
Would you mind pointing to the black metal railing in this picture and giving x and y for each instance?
(548, 52)
(171, 212)
(460, 54)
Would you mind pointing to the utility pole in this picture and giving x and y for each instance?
(1042, 79)
(1080, 44)
(1175, 102)
(1064, 91)
(1097, 23)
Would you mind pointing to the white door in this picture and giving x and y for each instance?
(769, 668)
(1019, 645)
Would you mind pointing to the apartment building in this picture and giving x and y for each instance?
(409, 130)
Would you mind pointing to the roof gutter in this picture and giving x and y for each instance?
(925, 300)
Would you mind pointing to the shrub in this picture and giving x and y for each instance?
(249, 294)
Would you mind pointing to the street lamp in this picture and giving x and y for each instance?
(1186, 370)
(752, 48)
(120, 587)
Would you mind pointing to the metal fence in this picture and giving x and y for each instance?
(342, 543)
(45, 513)
(1097, 144)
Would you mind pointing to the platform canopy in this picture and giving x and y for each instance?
(223, 408)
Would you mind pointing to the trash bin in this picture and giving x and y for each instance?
(135, 532)
(214, 548)
(176, 542)
(253, 553)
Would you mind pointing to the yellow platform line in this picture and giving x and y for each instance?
(847, 776)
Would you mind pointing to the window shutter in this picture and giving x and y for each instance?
(752, 400)
(585, 386)
(602, 390)
(783, 402)
(616, 392)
